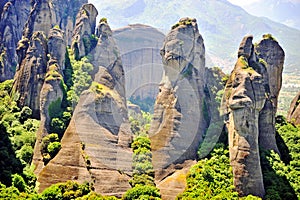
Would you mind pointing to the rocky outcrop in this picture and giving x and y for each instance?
(96, 144)
(38, 15)
(41, 20)
(140, 53)
(178, 122)
(293, 115)
(85, 27)
(13, 15)
(270, 51)
(248, 103)
(52, 91)
(29, 77)
(65, 12)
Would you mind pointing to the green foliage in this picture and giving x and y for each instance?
(17, 135)
(18, 182)
(81, 78)
(282, 179)
(89, 42)
(142, 192)
(68, 71)
(50, 147)
(62, 191)
(143, 172)
(103, 19)
(55, 109)
(187, 22)
(269, 36)
(8, 192)
(211, 178)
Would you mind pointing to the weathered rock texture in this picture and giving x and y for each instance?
(32, 58)
(29, 77)
(271, 52)
(96, 144)
(140, 53)
(85, 27)
(52, 91)
(20, 19)
(13, 15)
(294, 111)
(248, 102)
(178, 122)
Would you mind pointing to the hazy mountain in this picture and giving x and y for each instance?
(283, 11)
(221, 24)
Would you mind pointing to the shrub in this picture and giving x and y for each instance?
(142, 192)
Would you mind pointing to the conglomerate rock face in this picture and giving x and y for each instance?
(85, 27)
(271, 52)
(294, 111)
(29, 77)
(178, 123)
(51, 91)
(139, 47)
(250, 112)
(96, 144)
(20, 19)
(13, 15)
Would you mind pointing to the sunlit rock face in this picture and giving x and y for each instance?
(96, 144)
(250, 103)
(178, 123)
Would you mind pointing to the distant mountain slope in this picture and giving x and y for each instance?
(221, 24)
(283, 11)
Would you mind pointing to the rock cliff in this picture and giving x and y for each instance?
(37, 15)
(293, 115)
(139, 48)
(250, 105)
(85, 27)
(32, 58)
(270, 51)
(52, 91)
(96, 144)
(29, 77)
(178, 122)
(13, 15)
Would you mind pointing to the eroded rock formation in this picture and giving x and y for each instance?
(52, 91)
(294, 111)
(13, 15)
(85, 27)
(178, 122)
(250, 104)
(139, 48)
(37, 15)
(29, 77)
(96, 144)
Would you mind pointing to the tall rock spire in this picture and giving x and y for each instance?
(96, 144)
(250, 104)
(178, 123)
